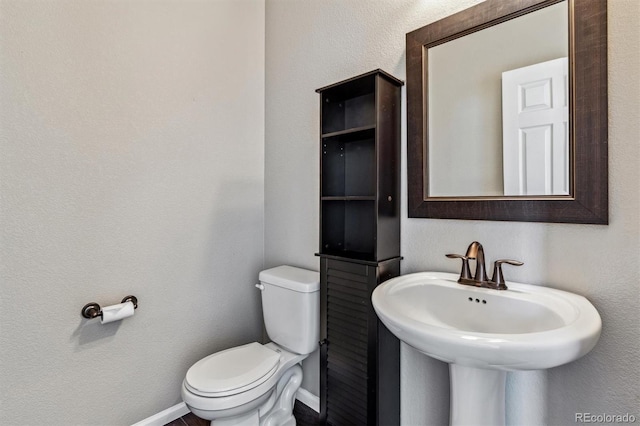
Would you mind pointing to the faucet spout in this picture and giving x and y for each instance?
(476, 251)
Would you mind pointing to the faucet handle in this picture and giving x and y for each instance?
(464, 273)
(498, 278)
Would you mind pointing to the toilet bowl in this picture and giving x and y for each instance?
(242, 385)
(255, 384)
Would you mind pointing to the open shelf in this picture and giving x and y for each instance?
(351, 131)
(349, 106)
(350, 198)
(349, 228)
(349, 164)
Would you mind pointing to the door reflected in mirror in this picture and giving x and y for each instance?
(498, 110)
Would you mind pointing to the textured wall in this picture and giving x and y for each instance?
(311, 44)
(132, 161)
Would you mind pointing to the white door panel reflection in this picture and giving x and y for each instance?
(535, 129)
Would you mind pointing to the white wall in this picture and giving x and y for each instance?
(132, 162)
(311, 44)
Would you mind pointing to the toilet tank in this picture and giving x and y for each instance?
(291, 307)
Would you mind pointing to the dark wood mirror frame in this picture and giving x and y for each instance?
(588, 202)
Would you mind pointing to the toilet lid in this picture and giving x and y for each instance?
(233, 369)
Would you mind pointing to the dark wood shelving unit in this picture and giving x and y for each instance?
(359, 248)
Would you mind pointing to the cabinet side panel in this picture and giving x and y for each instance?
(388, 158)
(321, 189)
(323, 340)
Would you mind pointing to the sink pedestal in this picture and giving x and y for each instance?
(528, 327)
(477, 396)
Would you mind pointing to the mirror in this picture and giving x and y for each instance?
(507, 113)
(482, 80)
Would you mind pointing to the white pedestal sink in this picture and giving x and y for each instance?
(484, 333)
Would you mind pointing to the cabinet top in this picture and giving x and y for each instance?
(361, 261)
(367, 74)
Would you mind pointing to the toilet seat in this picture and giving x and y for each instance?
(232, 371)
(252, 394)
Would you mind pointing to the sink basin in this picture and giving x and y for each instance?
(482, 333)
(523, 328)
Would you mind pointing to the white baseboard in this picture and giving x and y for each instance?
(308, 399)
(166, 416)
(179, 410)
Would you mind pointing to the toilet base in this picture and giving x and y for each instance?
(281, 414)
(250, 419)
(281, 417)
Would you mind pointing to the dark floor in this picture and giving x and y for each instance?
(189, 420)
(304, 415)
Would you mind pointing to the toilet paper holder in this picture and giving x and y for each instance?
(93, 310)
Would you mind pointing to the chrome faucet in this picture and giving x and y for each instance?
(475, 251)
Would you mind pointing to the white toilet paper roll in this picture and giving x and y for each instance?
(116, 312)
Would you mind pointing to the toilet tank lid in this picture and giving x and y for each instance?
(292, 278)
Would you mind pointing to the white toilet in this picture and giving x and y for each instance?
(256, 384)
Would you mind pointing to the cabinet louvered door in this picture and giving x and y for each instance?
(359, 357)
(348, 310)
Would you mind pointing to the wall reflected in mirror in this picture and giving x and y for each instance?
(498, 102)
